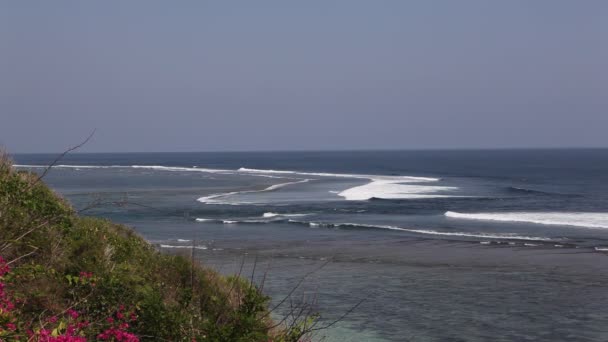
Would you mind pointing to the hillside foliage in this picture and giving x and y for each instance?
(69, 278)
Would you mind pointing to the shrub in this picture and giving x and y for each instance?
(69, 278)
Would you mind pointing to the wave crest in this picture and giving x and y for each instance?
(575, 219)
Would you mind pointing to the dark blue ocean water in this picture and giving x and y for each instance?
(505, 245)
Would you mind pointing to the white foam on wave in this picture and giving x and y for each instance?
(281, 185)
(270, 215)
(340, 175)
(200, 219)
(180, 169)
(379, 186)
(575, 219)
(215, 198)
(394, 189)
(180, 247)
(183, 240)
(480, 235)
(386, 187)
(508, 236)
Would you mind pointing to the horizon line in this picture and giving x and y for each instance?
(445, 149)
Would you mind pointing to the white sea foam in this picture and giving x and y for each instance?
(180, 169)
(387, 187)
(183, 240)
(215, 198)
(281, 185)
(379, 186)
(176, 246)
(200, 219)
(229, 221)
(496, 236)
(340, 175)
(394, 189)
(576, 219)
(270, 215)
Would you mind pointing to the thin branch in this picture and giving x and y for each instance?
(296, 287)
(265, 274)
(23, 256)
(255, 263)
(341, 317)
(59, 157)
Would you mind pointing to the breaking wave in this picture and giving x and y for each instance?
(379, 186)
(576, 219)
(526, 191)
(214, 199)
(498, 236)
(270, 215)
(184, 247)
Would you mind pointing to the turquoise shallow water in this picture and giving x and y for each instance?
(442, 245)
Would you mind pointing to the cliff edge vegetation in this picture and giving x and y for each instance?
(64, 277)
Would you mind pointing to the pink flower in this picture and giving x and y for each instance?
(73, 313)
(4, 268)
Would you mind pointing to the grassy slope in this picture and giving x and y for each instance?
(50, 245)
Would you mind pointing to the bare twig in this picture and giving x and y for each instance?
(265, 274)
(340, 318)
(296, 287)
(255, 263)
(23, 256)
(59, 157)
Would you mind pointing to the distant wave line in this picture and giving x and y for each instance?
(212, 199)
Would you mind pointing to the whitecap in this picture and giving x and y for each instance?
(214, 199)
(341, 175)
(270, 215)
(480, 235)
(394, 189)
(182, 247)
(576, 219)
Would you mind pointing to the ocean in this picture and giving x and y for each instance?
(471, 245)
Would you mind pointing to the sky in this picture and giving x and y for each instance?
(302, 75)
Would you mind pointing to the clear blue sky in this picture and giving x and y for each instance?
(280, 75)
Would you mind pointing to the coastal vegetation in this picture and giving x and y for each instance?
(64, 277)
